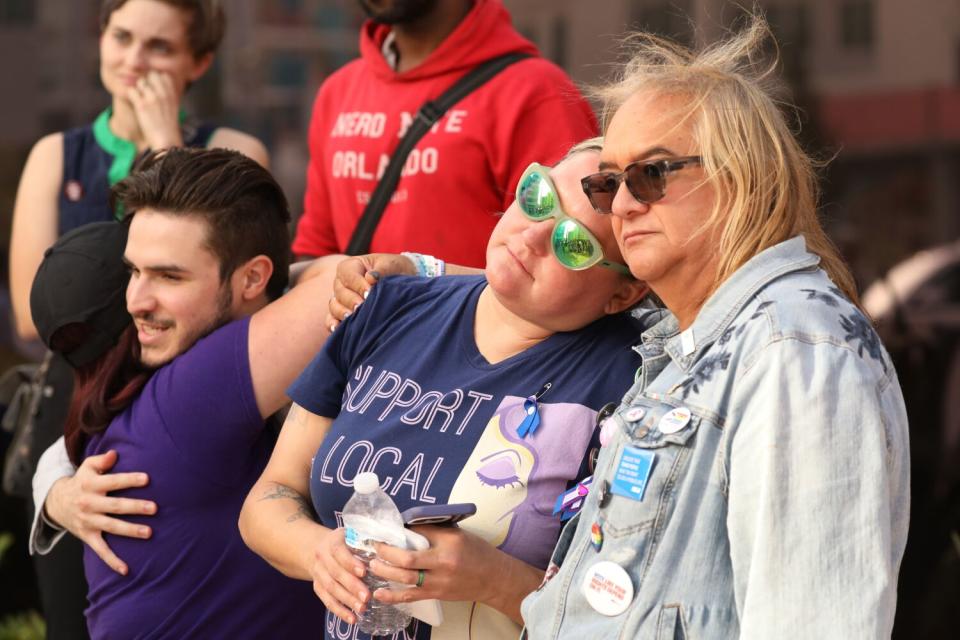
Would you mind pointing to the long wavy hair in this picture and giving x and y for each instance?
(766, 184)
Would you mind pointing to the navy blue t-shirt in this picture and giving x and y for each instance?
(85, 191)
(416, 402)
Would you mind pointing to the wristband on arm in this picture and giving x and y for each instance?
(427, 266)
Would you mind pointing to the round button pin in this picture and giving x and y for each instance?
(674, 420)
(633, 414)
(596, 535)
(607, 588)
(608, 428)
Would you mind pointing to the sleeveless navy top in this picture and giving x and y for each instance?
(94, 159)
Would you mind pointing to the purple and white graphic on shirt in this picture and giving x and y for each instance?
(515, 481)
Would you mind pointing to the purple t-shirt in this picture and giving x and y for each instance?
(196, 430)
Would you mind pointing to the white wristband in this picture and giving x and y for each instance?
(427, 266)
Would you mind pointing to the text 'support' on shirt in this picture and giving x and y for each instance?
(416, 403)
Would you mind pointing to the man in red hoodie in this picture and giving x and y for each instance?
(460, 175)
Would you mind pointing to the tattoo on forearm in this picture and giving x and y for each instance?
(281, 492)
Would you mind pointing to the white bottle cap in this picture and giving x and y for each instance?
(366, 482)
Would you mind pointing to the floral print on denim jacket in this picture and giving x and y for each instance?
(779, 510)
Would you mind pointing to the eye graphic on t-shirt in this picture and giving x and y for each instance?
(500, 469)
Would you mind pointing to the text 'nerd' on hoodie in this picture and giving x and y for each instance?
(463, 172)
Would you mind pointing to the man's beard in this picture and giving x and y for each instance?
(222, 317)
(399, 11)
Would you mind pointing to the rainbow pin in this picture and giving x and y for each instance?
(596, 535)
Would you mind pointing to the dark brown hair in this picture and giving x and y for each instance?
(207, 21)
(244, 207)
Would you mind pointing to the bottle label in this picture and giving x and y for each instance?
(361, 532)
(356, 540)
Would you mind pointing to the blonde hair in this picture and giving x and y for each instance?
(590, 144)
(766, 184)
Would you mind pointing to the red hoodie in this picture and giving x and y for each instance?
(463, 172)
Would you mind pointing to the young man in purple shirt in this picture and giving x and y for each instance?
(182, 399)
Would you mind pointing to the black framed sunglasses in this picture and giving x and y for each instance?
(646, 181)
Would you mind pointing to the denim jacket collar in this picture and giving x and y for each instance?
(728, 301)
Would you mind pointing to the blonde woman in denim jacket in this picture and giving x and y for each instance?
(754, 482)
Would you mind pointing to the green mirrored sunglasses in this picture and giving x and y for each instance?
(571, 241)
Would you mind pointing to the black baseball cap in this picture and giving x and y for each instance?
(82, 279)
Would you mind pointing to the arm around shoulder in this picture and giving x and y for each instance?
(245, 143)
(35, 224)
(286, 334)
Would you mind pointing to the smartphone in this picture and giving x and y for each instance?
(438, 513)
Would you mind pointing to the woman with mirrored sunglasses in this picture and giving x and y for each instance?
(754, 482)
(571, 242)
(482, 389)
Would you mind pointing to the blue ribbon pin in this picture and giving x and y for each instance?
(532, 410)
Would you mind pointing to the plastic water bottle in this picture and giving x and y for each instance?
(370, 516)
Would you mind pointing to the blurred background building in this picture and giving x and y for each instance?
(877, 83)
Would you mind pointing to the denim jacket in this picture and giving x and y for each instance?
(780, 508)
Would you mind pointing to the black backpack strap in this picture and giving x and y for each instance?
(426, 117)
